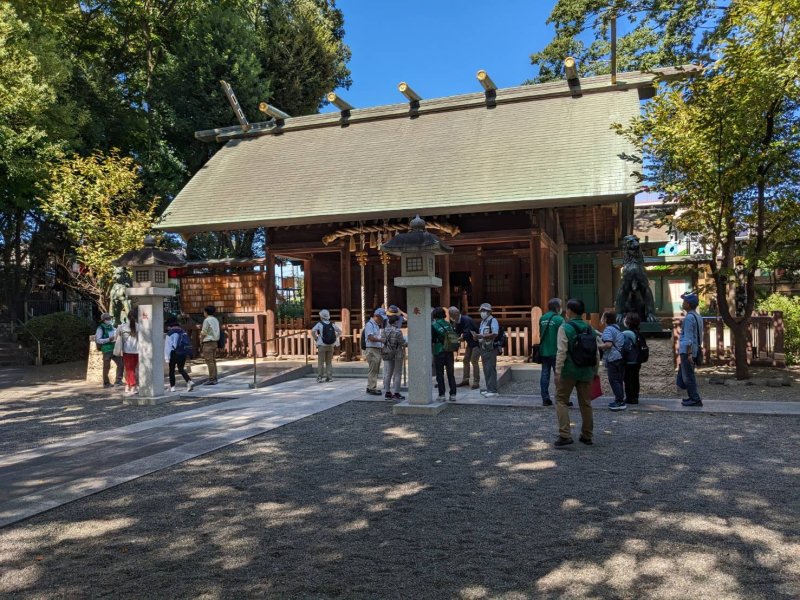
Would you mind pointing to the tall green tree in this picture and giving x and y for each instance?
(725, 145)
(652, 33)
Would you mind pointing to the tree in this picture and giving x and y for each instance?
(725, 145)
(655, 33)
(97, 200)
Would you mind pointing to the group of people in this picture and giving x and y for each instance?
(120, 345)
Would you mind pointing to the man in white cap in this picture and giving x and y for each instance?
(104, 337)
(374, 342)
(326, 335)
(487, 332)
(689, 349)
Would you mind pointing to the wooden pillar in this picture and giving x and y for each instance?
(477, 278)
(516, 292)
(361, 257)
(270, 306)
(444, 270)
(307, 306)
(533, 249)
(544, 271)
(345, 271)
(385, 260)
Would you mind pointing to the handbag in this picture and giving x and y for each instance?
(596, 389)
(118, 345)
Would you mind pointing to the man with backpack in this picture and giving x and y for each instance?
(576, 366)
(690, 350)
(326, 335)
(548, 326)
(464, 326)
(445, 344)
(615, 345)
(104, 339)
(177, 348)
(488, 333)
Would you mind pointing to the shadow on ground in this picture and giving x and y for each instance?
(475, 503)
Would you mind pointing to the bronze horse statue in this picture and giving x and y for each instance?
(634, 294)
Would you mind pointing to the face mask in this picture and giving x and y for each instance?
(107, 321)
(484, 314)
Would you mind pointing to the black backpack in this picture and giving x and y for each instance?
(184, 345)
(328, 334)
(223, 338)
(641, 349)
(364, 338)
(501, 339)
(583, 349)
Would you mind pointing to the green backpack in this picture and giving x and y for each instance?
(450, 339)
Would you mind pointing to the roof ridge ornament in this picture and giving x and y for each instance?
(417, 224)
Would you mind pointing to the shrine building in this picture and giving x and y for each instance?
(529, 185)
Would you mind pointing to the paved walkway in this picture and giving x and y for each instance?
(37, 480)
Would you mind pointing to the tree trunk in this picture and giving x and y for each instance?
(739, 335)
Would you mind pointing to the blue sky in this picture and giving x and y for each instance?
(437, 46)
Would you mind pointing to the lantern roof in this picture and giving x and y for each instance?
(148, 256)
(416, 240)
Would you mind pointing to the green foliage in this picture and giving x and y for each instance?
(64, 337)
(790, 306)
(97, 201)
(291, 310)
(651, 33)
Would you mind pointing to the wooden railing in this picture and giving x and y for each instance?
(765, 340)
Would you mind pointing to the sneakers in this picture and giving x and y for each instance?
(320, 380)
(561, 442)
(490, 394)
(211, 382)
(172, 388)
(118, 384)
(388, 395)
(690, 402)
(547, 403)
(617, 405)
(440, 399)
(585, 440)
(374, 392)
(475, 386)
(398, 396)
(107, 385)
(189, 385)
(452, 398)
(463, 384)
(327, 379)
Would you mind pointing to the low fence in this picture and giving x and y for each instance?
(765, 340)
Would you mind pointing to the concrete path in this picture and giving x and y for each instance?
(37, 480)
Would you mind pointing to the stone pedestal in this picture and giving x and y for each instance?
(420, 388)
(150, 333)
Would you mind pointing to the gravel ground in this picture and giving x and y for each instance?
(475, 503)
(657, 380)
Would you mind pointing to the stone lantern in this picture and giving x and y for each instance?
(149, 267)
(417, 250)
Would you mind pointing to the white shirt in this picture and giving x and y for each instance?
(372, 329)
(130, 343)
(316, 331)
(210, 330)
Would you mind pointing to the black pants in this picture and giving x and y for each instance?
(180, 362)
(442, 362)
(632, 382)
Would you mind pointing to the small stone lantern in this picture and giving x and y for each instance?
(149, 267)
(417, 250)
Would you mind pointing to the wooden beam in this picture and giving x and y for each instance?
(338, 102)
(273, 112)
(571, 68)
(486, 81)
(406, 90)
(244, 125)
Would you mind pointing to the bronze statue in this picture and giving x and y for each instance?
(634, 294)
(120, 303)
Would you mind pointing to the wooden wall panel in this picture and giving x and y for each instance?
(228, 292)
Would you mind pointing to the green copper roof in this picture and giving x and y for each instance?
(531, 146)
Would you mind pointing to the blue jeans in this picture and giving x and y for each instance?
(616, 379)
(548, 364)
(686, 379)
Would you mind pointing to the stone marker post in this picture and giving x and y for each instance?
(149, 266)
(417, 250)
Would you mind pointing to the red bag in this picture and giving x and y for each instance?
(597, 389)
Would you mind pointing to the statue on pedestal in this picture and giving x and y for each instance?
(120, 303)
(634, 294)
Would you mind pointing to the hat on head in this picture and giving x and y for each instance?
(393, 310)
(105, 316)
(380, 312)
(691, 298)
(325, 315)
(486, 306)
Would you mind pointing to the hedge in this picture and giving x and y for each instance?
(64, 337)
